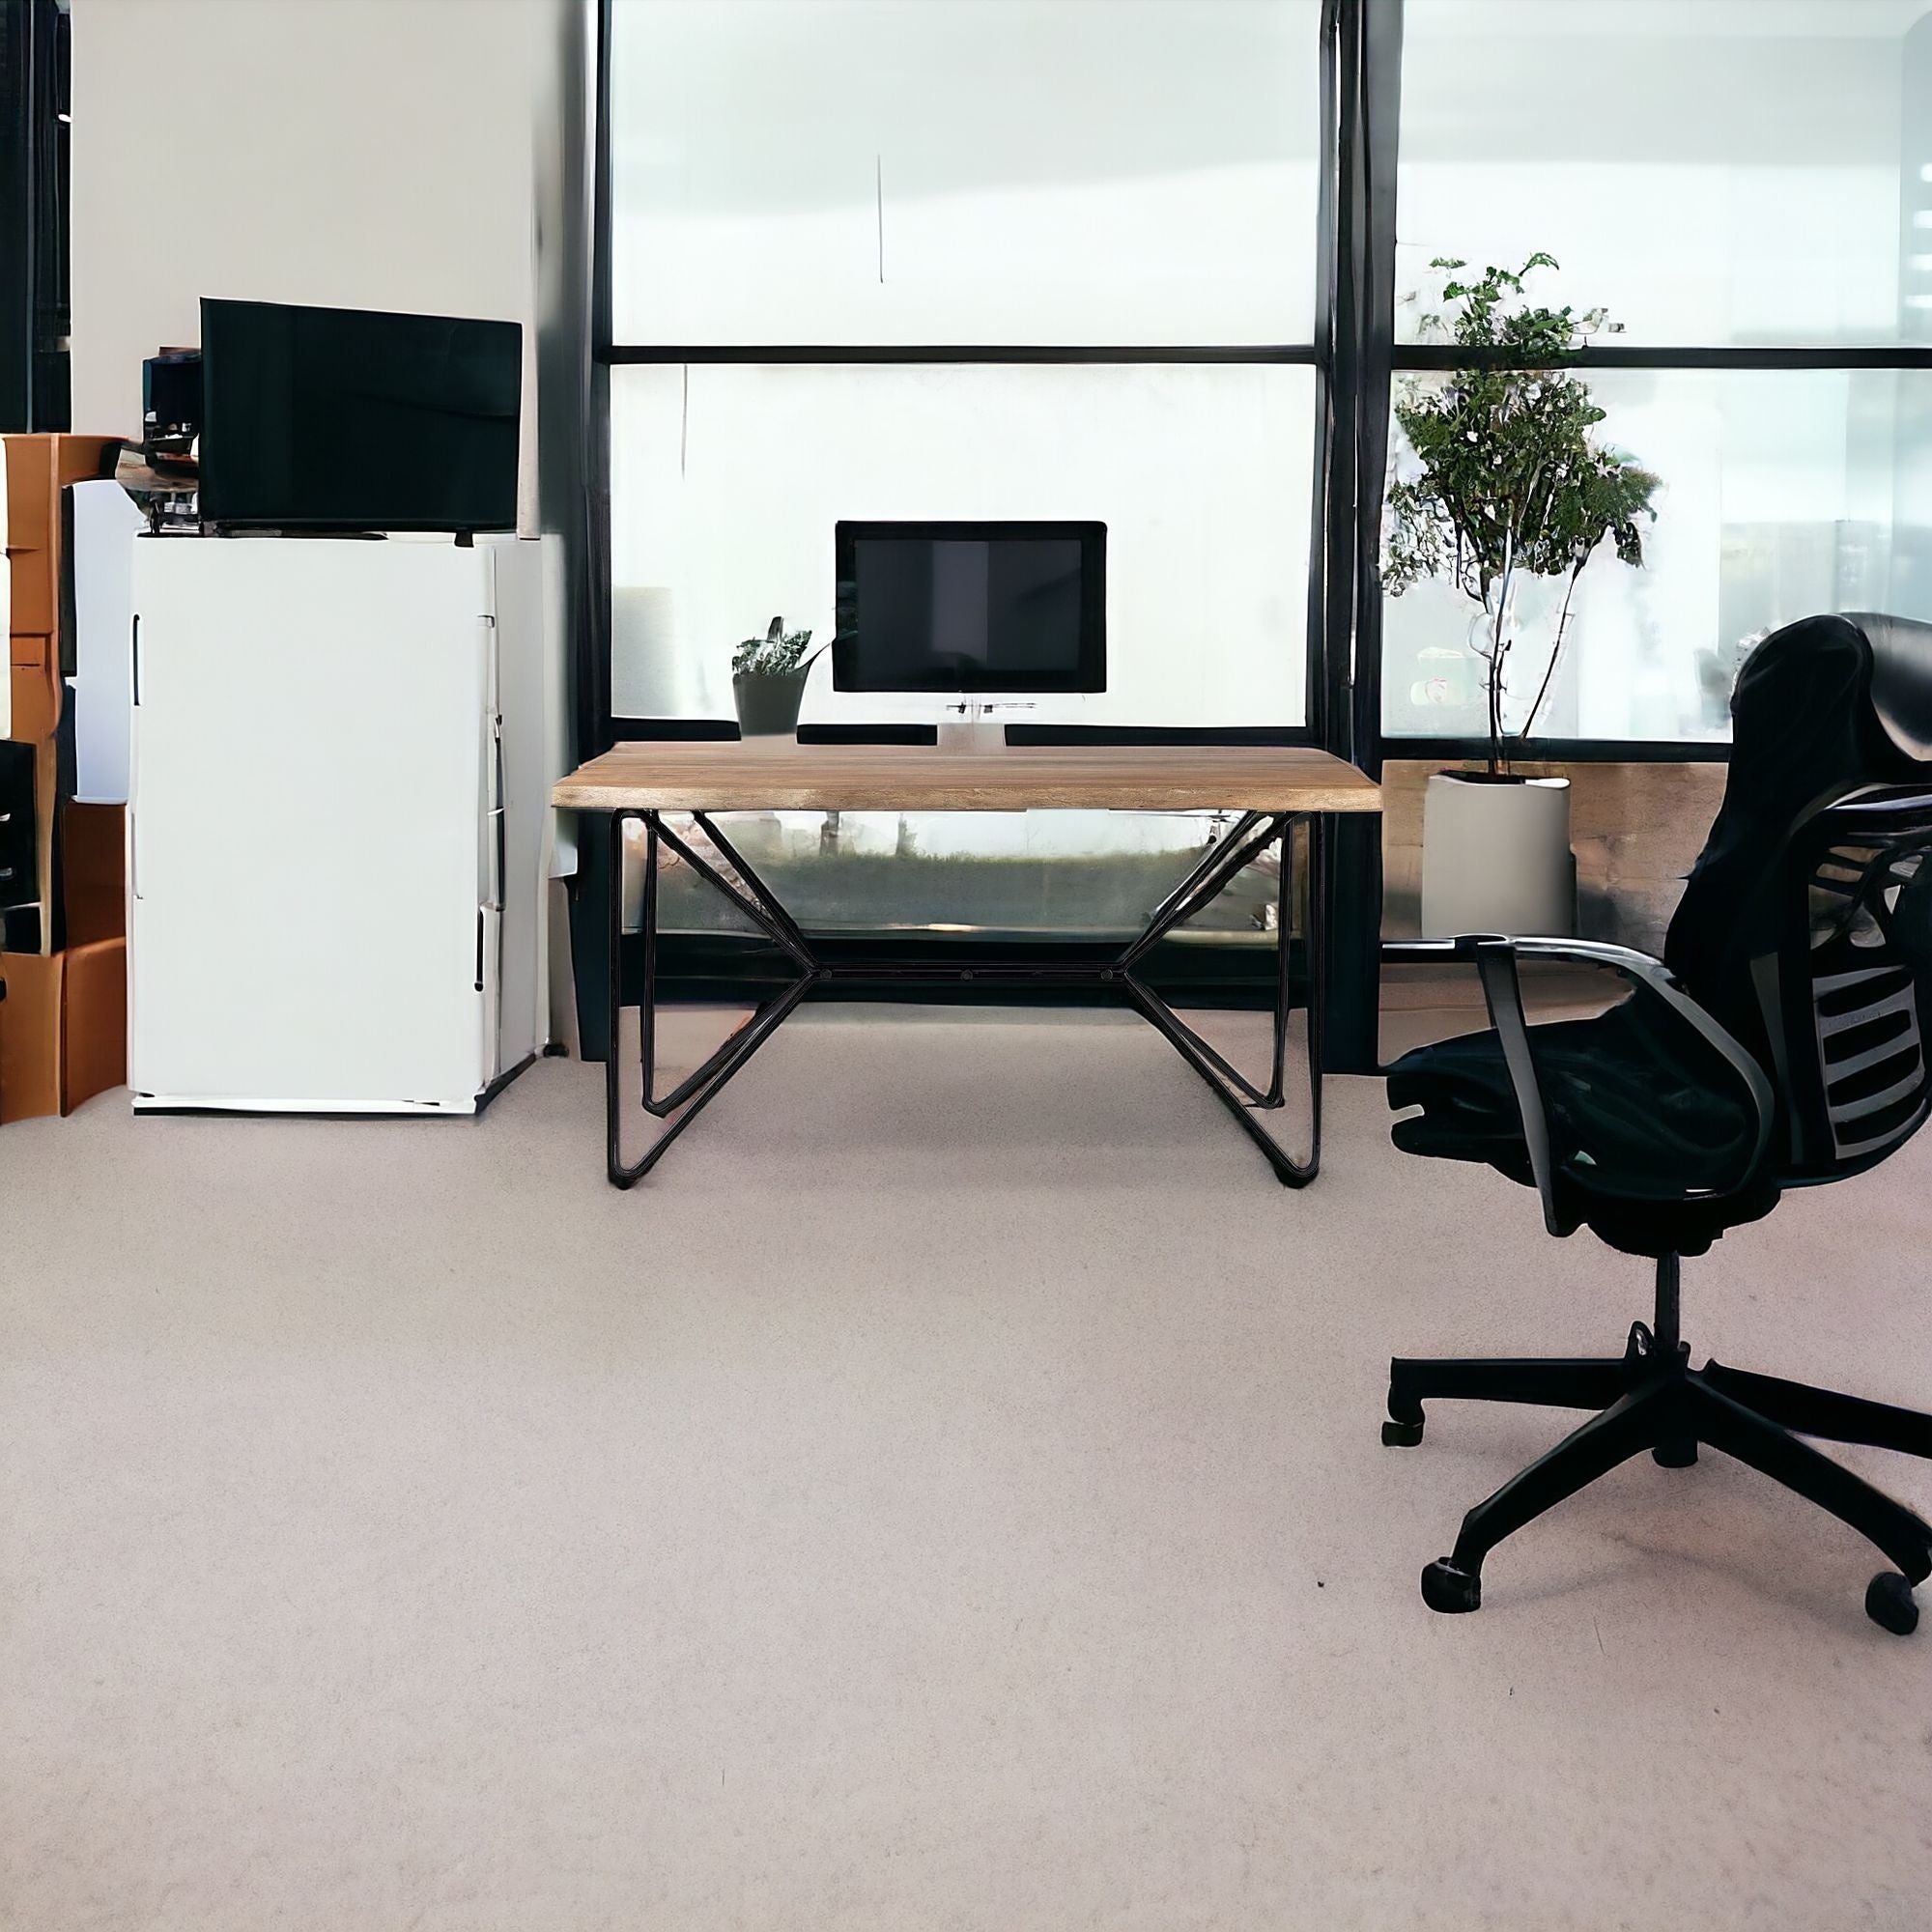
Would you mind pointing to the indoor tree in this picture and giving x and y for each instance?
(1507, 479)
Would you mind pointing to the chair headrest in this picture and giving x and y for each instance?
(1901, 679)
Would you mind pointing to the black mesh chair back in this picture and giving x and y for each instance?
(1806, 925)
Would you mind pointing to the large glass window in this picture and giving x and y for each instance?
(1123, 196)
(1105, 213)
(1783, 492)
(1108, 214)
(1745, 186)
(963, 171)
(1715, 171)
(727, 482)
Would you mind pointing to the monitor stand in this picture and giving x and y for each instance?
(970, 724)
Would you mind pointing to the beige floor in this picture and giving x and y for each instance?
(949, 1496)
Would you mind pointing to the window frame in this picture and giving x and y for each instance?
(1413, 357)
(1354, 356)
(599, 726)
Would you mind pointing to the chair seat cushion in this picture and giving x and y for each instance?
(1648, 1138)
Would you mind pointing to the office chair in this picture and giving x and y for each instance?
(1778, 1043)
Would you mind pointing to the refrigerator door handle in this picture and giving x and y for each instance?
(501, 813)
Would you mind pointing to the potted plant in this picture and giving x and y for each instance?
(1502, 480)
(768, 676)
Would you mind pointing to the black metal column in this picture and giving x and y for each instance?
(33, 70)
(1362, 87)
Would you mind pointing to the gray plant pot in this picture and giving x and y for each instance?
(768, 702)
(1496, 856)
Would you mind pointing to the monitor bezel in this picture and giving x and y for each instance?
(218, 405)
(1088, 675)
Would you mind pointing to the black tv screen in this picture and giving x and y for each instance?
(971, 607)
(357, 419)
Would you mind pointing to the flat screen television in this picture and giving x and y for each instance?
(971, 607)
(339, 418)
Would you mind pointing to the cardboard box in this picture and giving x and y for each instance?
(56, 1046)
(64, 1016)
(93, 872)
(33, 665)
(63, 1028)
(38, 467)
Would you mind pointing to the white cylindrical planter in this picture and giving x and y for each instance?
(1496, 856)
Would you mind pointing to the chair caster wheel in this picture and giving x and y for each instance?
(1450, 1590)
(1888, 1603)
(1674, 1454)
(1397, 1435)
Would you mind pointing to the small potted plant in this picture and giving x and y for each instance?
(1502, 480)
(768, 676)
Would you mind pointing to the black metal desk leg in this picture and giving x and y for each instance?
(693, 1094)
(621, 1174)
(709, 859)
(1244, 1097)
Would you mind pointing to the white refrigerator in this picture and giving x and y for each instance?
(337, 803)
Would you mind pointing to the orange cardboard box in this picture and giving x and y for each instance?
(37, 469)
(63, 1028)
(64, 1016)
(33, 666)
(94, 872)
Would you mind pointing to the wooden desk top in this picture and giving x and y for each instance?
(776, 775)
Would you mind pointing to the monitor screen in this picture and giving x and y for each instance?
(968, 608)
(357, 419)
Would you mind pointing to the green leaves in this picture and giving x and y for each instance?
(1506, 475)
(773, 655)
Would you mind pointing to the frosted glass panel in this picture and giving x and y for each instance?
(963, 171)
(1784, 494)
(727, 482)
(1714, 171)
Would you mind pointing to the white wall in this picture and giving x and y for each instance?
(367, 153)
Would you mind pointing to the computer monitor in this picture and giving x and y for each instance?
(971, 607)
(336, 418)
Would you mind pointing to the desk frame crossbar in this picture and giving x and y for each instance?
(1117, 979)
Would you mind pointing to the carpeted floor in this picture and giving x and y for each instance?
(948, 1495)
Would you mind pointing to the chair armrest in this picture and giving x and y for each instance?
(1435, 951)
(1497, 960)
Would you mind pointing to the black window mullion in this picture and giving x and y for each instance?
(1319, 649)
(896, 354)
(1423, 356)
(592, 663)
(1381, 115)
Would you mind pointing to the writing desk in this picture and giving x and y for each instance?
(1272, 788)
